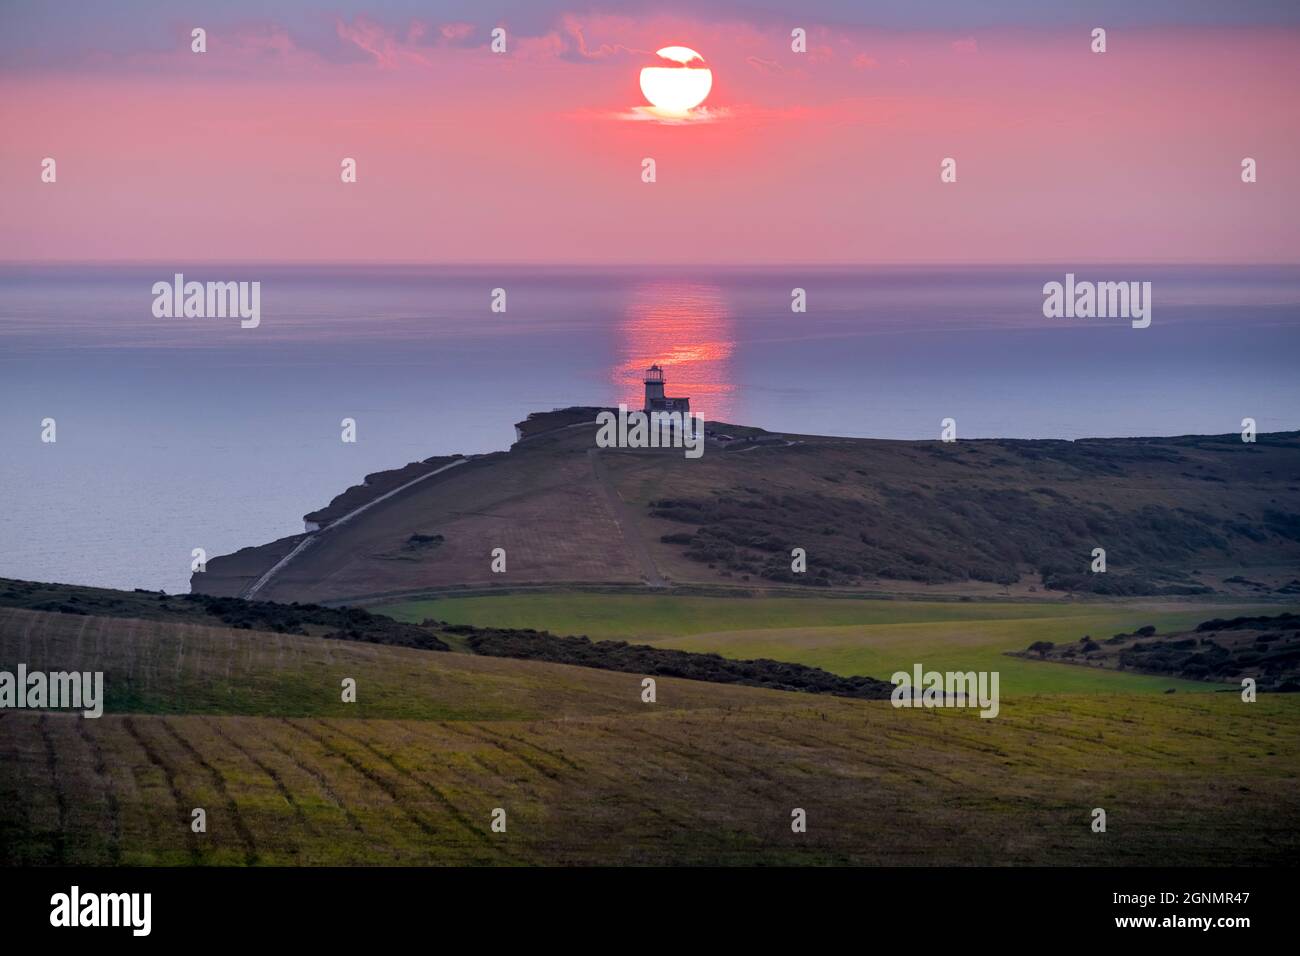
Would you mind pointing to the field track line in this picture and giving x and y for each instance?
(27, 639)
(490, 738)
(9, 760)
(169, 775)
(553, 754)
(60, 798)
(81, 633)
(499, 772)
(241, 828)
(697, 754)
(322, 781)
(437, 794)
(423, 825)
(217, 731)
(650, 807)
(421, 729)
(110, 795)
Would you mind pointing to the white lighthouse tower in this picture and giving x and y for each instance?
(655, 399)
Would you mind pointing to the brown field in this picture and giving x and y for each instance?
(589, 774)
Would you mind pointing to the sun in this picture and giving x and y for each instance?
(680, 84)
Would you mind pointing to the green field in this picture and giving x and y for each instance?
(849, 636)
(249, 726)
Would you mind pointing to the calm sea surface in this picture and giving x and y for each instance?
(183, 433)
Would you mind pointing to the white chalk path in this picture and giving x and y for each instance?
(306, 542)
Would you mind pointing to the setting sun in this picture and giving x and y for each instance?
(680, 86)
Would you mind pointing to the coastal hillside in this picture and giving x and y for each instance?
(1186, 516)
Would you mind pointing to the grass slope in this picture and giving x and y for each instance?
(589, 774)
(846, 636)
(357, 624)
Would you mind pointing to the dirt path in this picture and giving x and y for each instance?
(311, 539)
(626, 520)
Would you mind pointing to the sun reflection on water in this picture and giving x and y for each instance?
(685, 328)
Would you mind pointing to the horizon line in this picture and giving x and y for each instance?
(674, 264)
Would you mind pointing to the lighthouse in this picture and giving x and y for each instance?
(655, 399)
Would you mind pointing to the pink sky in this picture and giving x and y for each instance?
(832, 156)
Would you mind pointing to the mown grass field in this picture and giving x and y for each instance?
(250, 727)
(850, 636)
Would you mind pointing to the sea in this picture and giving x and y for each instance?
(179, 433)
